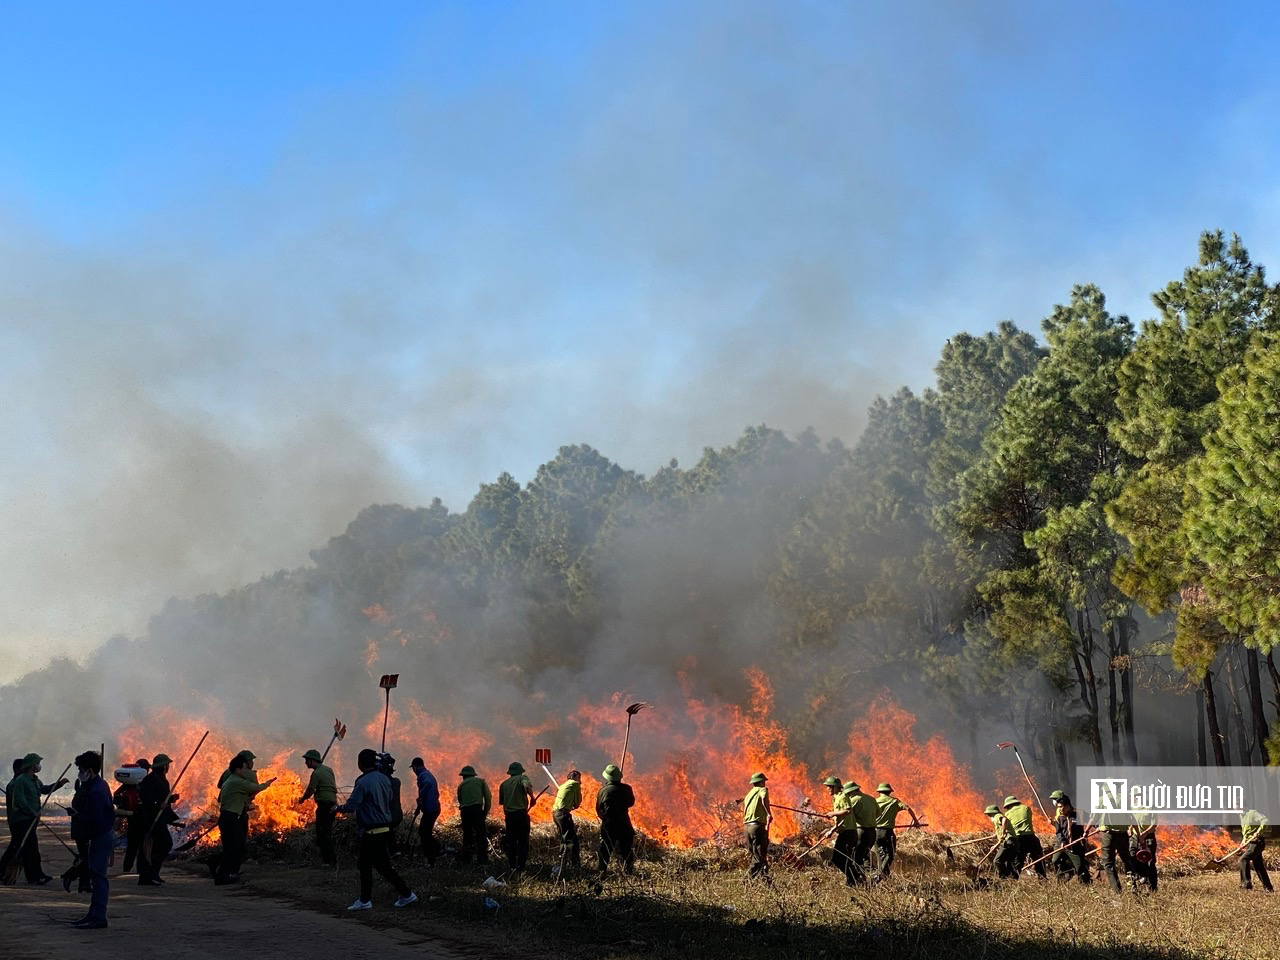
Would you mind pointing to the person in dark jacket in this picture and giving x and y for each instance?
(156, 812)
(370, 801)
(429, 808)
(97, 817)
(79, 869)
(614, 801)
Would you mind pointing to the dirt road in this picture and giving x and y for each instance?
(190, 918)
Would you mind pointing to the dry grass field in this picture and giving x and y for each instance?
(696, 904)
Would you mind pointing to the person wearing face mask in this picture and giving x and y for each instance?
(97, 819)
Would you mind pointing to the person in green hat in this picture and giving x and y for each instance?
(887, 809)
(1253, 842)
(474, 803)
(515, 796)
(1006, 845)
(1069, 857)
(22, 809)
(842, 857)
(1024, 831)
(324, 787)
(237, 792)
(155, 812)
(864, 810)
(614, 801)
(1113, 841)
(756, 819)
(247, 773)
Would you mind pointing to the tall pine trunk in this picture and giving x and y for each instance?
(1126, 689)
(1211, 715)
(1253, 677)
(1202, 754)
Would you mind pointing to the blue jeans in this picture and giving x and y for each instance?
(99, 856)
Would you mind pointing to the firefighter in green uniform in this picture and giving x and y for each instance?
(756, 818)
(1143, 837)
(568, 799)
(1006, 845)
(887, 809)
(474, 803)
(1070, 857)
(1113, 837)
(237, 793)
(1252, 840)
(515, 796)
(22, 809)
(324, 788)
(864, 810)
(1020, 820)
(846, 830)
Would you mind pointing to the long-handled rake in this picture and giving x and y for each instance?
(340, 732)
(631, 712)
(1009, 743)
(147, 840)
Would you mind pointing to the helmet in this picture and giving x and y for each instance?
(1010, 801)
(467, 771)
(758, 778)
(161, 760)
(991, 810)
(851, 785)
(612, 774)
(312, 755)
(1057, 795)
(832, 782)
(515, 767)
(884, 788)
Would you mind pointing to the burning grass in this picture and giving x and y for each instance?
(694, 903)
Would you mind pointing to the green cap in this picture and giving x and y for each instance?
(832, 782)
(611, 773)
(32, 760)
(247, 755)
(851, 785)
(1010, 801)
(467, 771)
(884, 788)
(312, 755)
(515, 767)
(991, 810)
(161, 760)
(758, 778)
(1057, 795)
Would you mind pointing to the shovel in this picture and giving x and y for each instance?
(1220, 864)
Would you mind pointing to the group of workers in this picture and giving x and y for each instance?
(863, 824)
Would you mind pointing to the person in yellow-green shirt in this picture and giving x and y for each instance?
(515, 795)
(1006, 844)
(474, 803)
(568, 799)
(1252, 825)
(756, 818)
(234, 798)
(864, 810)
(887, 809)
(324, 787)
(846, 830)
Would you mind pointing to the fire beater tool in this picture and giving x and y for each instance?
(821, 840)
(809, 813)
(963, 843)
(54, 833)
(1219, 864)
(1089, 831)
(173, 787)
(11, 871)
(631, 712)
(1009, 743)
(387, 683)
(340, 733)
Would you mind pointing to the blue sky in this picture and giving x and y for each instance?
(261, 267)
